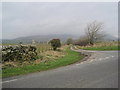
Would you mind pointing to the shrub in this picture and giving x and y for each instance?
(69, 41)
(55, 43)
(81, 42)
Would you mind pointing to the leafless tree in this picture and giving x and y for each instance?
(93, 31)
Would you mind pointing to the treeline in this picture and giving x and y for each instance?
(81, 41)
(92, 34)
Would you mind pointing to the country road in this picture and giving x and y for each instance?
(100, 70)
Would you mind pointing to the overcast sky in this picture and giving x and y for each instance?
(38, 18)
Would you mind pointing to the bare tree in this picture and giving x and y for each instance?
(93, 31)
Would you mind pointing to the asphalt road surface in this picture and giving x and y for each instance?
(100, 70)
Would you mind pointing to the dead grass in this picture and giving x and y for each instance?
(102, 45)
(44, 56)
(69, 58)
(51, 55)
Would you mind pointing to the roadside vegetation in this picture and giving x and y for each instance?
(101, 46)
(94, 39)
(47, 58)
(26, 58)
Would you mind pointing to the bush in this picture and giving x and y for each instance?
(55, 43)
(81, 42)
(19, 53)
(69, 41)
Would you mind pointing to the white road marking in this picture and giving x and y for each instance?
(107, 57)
(100, 59)
(77, 64)
(10, 81)
(112, 56)
(92, 60)
(81, 62)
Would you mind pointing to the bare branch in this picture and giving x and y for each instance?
(93, 30)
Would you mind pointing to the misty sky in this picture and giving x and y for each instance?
(38, 18)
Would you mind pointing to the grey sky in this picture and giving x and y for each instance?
(38, 18)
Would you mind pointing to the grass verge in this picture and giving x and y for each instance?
(69, 58)
(102, 48)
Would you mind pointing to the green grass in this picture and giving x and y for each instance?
(102, 48)
(70, 58)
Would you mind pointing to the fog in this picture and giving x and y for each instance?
(22, 19)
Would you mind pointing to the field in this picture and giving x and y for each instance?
(43, 47)
(47, 59)
(102, 46)
(44, 53)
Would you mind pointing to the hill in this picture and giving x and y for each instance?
(39, 38)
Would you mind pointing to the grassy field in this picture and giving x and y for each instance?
(43, 47)
(102, 46)
(69, 58)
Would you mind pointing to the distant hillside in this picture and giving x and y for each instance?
(110, 38)
(46, 38)
(39, 38)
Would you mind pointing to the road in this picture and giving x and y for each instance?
(100, 70)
